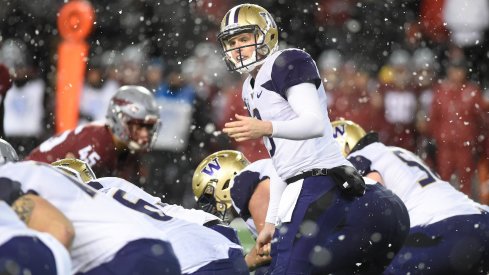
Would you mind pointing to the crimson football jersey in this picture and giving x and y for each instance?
(92, 143)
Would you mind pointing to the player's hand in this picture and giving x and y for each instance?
(5, 80)
(246, 128)
(349, 180)
(263, 241)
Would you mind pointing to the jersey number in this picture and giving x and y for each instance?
(140, 206)
(430, 178)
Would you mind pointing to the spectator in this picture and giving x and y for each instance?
(455, 124)
(425, 77)
(5, 84)
(400, 103)
(330, 63)
(96, 92)
(354, 96)
(24, 103)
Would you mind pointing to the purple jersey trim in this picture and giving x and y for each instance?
(292, 67)
(244, 185)
(363, 165)
(10, 190)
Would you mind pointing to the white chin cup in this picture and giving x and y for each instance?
(134, 146)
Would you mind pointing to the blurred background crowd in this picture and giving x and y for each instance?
(416, 71)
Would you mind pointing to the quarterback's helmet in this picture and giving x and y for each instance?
(82, 168)
(347, 133)
(248, 18)
(211, 182)
(133, 104)
(7, 152)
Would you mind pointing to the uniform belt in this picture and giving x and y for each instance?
(311, 173)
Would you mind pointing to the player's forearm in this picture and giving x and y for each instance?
(40, 215)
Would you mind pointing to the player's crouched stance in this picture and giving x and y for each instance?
(368, 230)
(200, 250)
(108, 239)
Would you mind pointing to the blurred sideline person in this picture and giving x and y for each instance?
(449, 232)
(5, 85)
(200, 250)
(32, 232)
(113, 148)
(24, 102)
(284, 94)
(109, 239)
(227, 185)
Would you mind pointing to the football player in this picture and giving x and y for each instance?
(285, 95)
(449, 232)
(109, 239)
(131, 126)
(200, 250)
(224, 183)
(27, 251)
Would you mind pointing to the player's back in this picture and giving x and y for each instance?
(102, 226)
(194, 245)
(427, 198)
(12, 229)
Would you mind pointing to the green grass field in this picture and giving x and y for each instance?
(244, 234)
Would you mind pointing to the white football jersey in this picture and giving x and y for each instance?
(102, 227)
(191, 215)
(194, 245)
(266, 100)
(11, 226)
(427, 198)
(244, 184)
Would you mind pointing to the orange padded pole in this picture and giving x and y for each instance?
(75, 22)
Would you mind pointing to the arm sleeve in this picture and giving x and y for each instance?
(310, 122)
(277, 187)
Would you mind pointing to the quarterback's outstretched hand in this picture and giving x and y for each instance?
(245, 128)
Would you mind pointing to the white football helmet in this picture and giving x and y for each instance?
(133, 104)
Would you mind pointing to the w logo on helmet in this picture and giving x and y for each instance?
(339, 130)
(211, 167)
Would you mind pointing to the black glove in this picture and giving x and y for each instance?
(348, 179)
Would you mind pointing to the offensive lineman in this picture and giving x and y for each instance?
(200, 250)
(235, 186)
(449, 232)
(109, 239)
